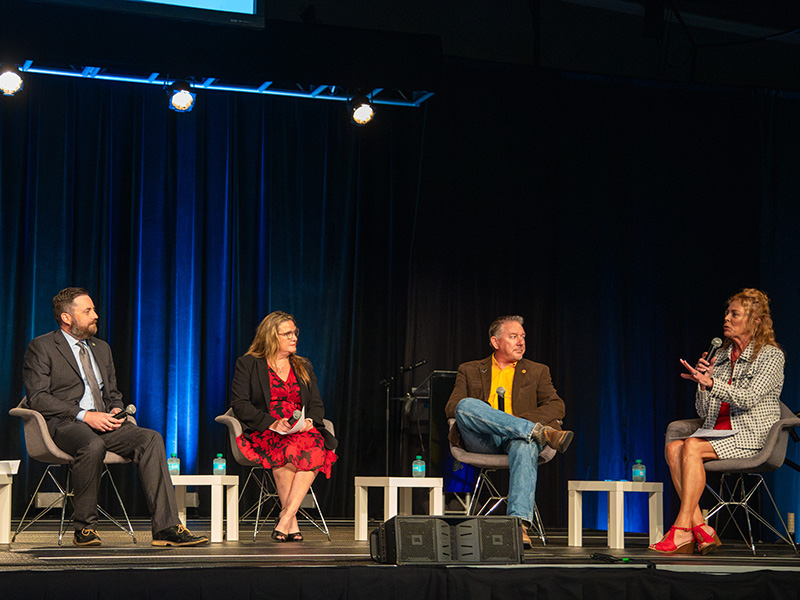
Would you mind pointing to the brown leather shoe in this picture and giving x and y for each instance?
(526, 539)
(555, 438)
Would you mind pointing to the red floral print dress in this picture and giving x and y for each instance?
(306, 450)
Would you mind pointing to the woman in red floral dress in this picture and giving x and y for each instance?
(271, 382)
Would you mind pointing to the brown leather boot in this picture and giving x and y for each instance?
(526, 539)
(555, 438)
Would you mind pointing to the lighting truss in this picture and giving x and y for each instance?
(384, 96)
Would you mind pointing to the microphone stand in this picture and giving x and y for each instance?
(387, 383)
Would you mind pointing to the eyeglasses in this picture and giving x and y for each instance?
(289, 334)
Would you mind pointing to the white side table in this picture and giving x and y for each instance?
(616, 509)
(230, 483)
(391, 486)
(5, 507)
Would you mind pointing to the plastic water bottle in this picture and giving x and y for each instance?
(638, 471)
(418, 467)
(174, 464)
(219, 465)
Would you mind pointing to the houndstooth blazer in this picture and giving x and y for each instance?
(754, 395)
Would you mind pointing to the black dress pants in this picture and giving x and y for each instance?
(144, 447)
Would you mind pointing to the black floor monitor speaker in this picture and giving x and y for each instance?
(417, 540)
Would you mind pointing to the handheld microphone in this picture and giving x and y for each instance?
(716, 344)
(129, 410)
(501, 399)
(294, 418)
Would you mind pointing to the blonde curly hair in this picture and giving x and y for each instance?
(756, 305)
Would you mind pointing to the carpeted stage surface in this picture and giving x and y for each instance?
(36, 567)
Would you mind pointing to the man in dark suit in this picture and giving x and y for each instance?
(520, 420)
(70, 379)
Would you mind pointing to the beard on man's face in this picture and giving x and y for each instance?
(82, 333)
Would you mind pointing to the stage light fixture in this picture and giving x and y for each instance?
(361, 110)
(181, 96)
(10, 80)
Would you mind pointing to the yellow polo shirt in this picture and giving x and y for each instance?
(502, 378)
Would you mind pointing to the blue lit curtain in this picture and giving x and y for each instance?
(187, 230)
(615, 216)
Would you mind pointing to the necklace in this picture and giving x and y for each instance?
(278, 369)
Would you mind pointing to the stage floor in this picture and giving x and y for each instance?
(37, 550)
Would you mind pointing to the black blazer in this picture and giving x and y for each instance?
(53, 382)
(250, 397)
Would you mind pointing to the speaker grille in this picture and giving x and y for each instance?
(494, 539)
(422, 540)
(429, 540)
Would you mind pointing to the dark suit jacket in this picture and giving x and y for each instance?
(533, 395)
(250, 397)
(53, 382)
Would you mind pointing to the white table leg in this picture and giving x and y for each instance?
(575, 518)
(232, 521)
(180, 498)
(361, 513)
(5, 512)
(389, 502)
(406, 507)
(616, 519)
(216, 513)
(436, 501)
(656, 517)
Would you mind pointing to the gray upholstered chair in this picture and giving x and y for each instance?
(738, 495)
(41, 447)
(487, 463)
(267, 494)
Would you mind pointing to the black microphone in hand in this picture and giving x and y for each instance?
(294, 418)
(129, 410)
(716, 344)
(501, 399)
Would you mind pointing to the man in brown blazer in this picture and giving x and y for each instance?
(507, 404)
(70, 378)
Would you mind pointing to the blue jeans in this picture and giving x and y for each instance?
(485, 430)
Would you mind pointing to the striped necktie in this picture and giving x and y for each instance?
(86, 363)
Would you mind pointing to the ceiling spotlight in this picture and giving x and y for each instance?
(10, 80)
(361, 110)
(181, 96)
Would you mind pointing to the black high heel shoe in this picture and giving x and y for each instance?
(279, 536)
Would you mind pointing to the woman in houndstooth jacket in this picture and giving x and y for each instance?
(738, 390)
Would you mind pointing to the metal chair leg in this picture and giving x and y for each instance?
(484, 482)
(64, 497)
(127, 529)
(21, 527)
(324, 527)
(64, 505)
(739, 497)
(265, 494)
(268, 492)
(538, 526)
(726, 491)
(475, 493)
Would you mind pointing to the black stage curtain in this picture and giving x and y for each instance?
(616, 216)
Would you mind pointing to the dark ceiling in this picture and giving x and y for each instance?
(403, 42)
